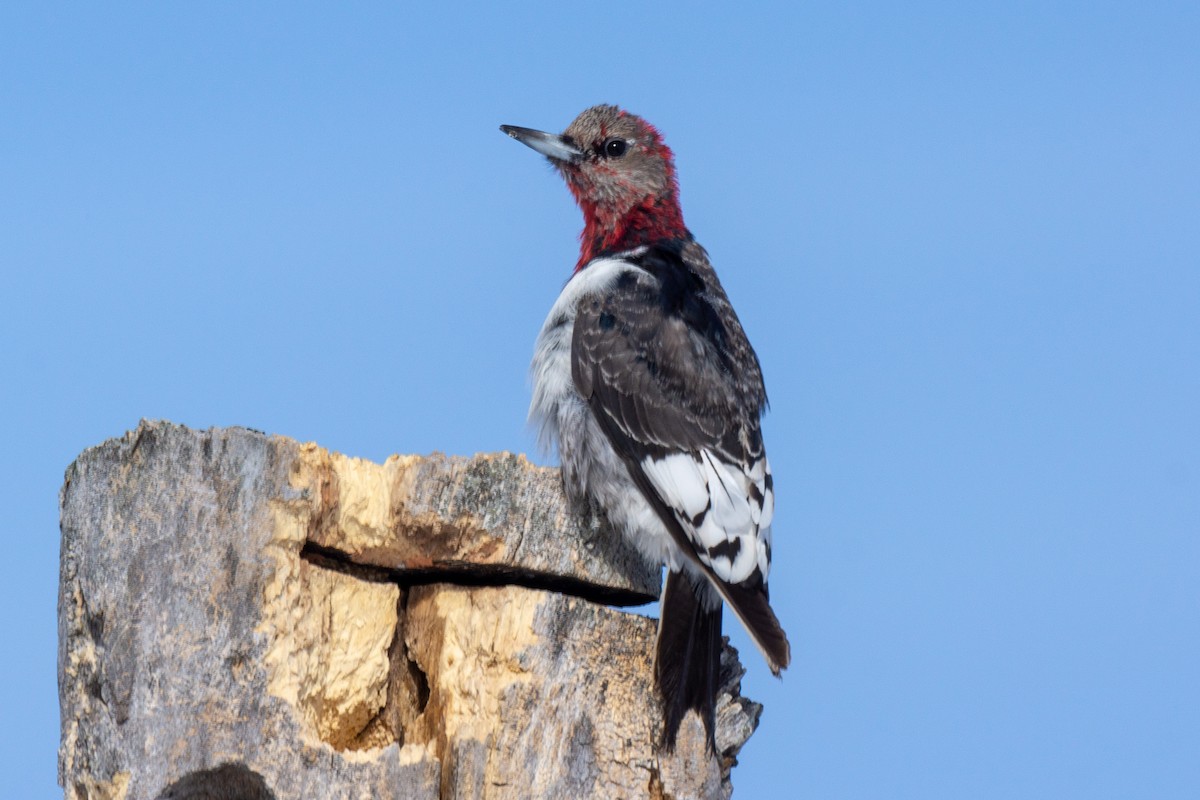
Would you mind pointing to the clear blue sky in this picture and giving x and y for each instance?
(965, 240)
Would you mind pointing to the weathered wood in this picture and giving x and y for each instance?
(240, 610)
(489, 517)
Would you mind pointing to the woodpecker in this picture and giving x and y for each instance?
(646, 383)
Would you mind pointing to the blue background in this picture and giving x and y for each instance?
(963, 237)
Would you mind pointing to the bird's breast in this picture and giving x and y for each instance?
(550, 370)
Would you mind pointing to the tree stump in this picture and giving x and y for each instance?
(245, 616)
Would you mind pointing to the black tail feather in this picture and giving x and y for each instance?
(687, 662)
(749, 603)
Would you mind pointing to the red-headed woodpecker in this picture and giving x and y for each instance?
(647, 384)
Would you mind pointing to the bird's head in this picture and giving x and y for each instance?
(622, 176)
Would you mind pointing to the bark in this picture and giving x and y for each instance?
(244, 616)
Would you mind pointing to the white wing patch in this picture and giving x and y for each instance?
(726, 509)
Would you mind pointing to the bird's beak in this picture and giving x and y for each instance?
(552, 146)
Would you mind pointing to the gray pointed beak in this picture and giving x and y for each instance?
(552, 146)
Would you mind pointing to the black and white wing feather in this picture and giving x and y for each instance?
(666, 369)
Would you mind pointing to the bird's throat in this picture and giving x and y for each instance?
(608, 231)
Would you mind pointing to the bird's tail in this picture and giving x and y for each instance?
(687, 659)
(753, 609)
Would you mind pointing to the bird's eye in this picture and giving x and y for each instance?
(614, 148)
